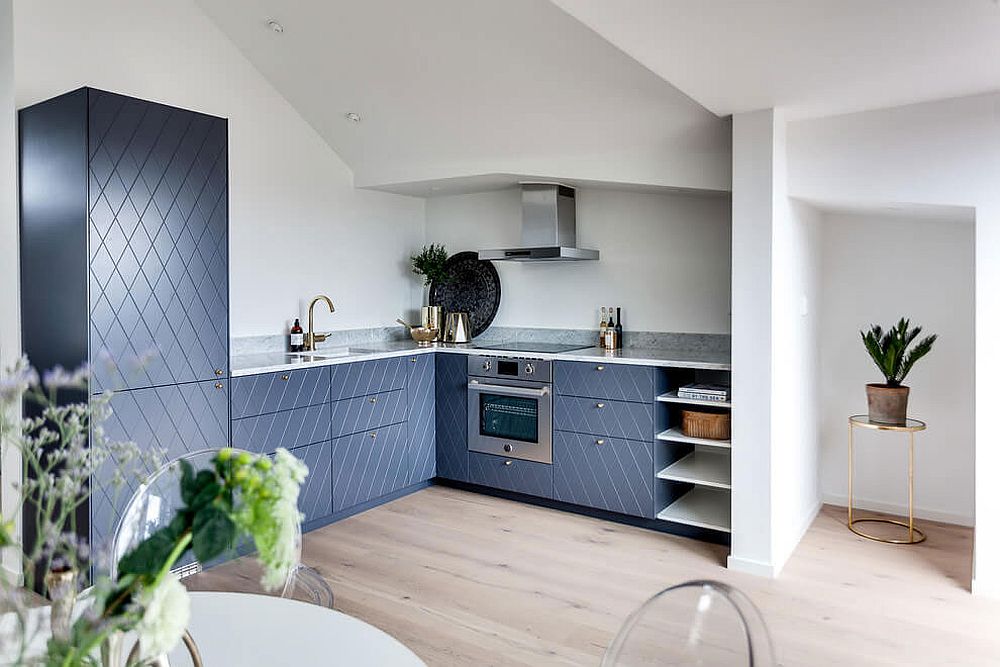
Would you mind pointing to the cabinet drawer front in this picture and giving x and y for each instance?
(284, 390)
(497, 472)
(368, 377)
(365, 413)
(617, 419)
(315, 500)
(607, 473)
(618, 382)
(368, 465)
(288, 429)
(450, 416)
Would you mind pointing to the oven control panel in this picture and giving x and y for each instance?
(514, 368)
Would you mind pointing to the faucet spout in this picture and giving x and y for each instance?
(312, 337)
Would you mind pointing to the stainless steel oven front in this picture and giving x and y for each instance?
(510, 407)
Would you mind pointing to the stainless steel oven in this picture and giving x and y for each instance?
(510, 407)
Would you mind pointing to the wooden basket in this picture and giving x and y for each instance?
(709, 425)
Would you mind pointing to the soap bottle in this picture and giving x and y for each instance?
(296, 338)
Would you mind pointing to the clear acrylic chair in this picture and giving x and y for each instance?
(704, 623)
(155, 503)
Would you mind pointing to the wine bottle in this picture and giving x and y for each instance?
(609, 336)
(296, 338)
(604, 325)
(618, 330)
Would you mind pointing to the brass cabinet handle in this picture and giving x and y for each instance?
(508, 462)
(599, 441)
(413, 360)
(219, 385)
(372, 435)
(218, 371)
(600, 405)
(373, 400)
(285, 378)
(600, 368)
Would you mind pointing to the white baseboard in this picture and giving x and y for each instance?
(900, 510)
(801, 530)
(754, 567)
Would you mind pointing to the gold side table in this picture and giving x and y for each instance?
(914, 534)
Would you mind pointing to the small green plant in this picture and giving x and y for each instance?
(430, 263)
(889, 349)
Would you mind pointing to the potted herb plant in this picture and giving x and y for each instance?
(430, 263)
(893, 355)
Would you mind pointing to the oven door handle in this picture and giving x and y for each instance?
(476, 385)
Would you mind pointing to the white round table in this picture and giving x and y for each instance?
(248, 630)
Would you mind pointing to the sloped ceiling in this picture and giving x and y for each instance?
(453, 89)
(812, 57)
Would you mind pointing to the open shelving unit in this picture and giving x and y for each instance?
(700, 468)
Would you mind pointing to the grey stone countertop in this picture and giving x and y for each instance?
(252, 364)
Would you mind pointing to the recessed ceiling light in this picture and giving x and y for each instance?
(275, 26)
(353, 117)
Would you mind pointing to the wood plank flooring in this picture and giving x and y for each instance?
(467, 579)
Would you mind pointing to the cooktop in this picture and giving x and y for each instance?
(542, 348)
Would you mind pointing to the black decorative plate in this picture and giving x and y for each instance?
(473, 288)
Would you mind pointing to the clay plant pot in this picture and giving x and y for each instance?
(887, 404)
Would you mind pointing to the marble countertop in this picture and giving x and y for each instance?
(252, 364)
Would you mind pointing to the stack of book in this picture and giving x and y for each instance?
(705, 392)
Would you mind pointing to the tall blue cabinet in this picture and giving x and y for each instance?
(124, 266)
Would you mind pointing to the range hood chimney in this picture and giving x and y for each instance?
(548, 227)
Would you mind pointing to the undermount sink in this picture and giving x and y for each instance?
(320, 355)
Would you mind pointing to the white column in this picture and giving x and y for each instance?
(753, 204)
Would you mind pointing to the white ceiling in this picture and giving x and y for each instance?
(453, 88)
(813, 57)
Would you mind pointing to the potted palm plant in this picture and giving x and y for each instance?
(892, 354)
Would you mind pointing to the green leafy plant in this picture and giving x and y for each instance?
(430, 263)
(888, 349)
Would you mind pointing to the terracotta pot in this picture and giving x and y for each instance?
(887, 404)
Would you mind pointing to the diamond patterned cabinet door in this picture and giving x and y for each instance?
(451, 416)
(421, 422)
(158, 205)
(620, 419)
(315, 494)
(367, 377)
(289, 428)
(365, 413)
(286, 390)
(368, 465)
(497, 472)
(607, 473)
(176, 419)
(620, 382)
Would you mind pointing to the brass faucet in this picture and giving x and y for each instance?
(312, 337)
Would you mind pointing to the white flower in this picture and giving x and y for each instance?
(166, 613)
(278, 551)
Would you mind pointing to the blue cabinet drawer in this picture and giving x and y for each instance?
(315, 495)
(368, 465)
(284, 390)
(368, 412)
(617, 382)
(288, 429)
(611, 474)
(497, 472)
(368, 377)
(617, 419)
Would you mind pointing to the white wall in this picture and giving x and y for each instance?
(665, 259)
(930, 280)
(945, 153)
(297, 226)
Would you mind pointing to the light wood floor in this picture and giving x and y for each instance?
(467, 579)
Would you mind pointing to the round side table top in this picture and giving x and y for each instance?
(912, 425)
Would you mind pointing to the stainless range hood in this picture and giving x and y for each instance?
(548, 227)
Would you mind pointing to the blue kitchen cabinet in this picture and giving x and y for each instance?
(421, 421)
(451, 416)
(364, 413)
(617, 382)
(498, 472)
(368, 465)
(262, 434)
(124, 242)
(284, 390)
(315, 496)
(621, 419)
(363, 378)
(612, 474)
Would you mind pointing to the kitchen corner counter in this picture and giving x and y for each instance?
(252, 364)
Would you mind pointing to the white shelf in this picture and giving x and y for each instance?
(700, 507)
(672, 397)
(700, 467)
(676, 435)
